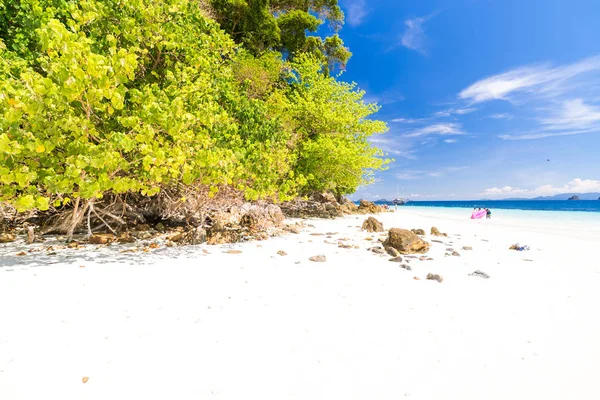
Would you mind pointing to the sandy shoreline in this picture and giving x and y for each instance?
(183, 324)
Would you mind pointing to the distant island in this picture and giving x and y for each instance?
(565, 196)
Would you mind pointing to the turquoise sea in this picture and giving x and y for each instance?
(538, 205)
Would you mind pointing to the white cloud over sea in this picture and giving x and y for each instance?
(575, 186)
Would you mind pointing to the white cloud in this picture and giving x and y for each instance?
(450, 140)
(501, 116)
(451, 111)
(408, 120)
(575, 186)
(534, 79)
(356, 11)
(437, 129)
(571, 117)
(420, 174)
(414, 36)
(562, 100)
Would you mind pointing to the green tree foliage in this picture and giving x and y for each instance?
(282, 25)
(106, 96)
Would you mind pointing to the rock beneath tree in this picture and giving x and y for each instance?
(125, 237)
(405, 241)
(319, 258)
(7, 238)
(420, 232)
(434, 277)
(102, 238)
(372, 225)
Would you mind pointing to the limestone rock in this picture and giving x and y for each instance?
(7, 238)
(368, 207)
(466, 248)
(372, 225)
(456, 254)
(396, 259)
(282, 253)
(418, 232)
(102, 238)
(319, 258)
(434, 277)
(405, 241)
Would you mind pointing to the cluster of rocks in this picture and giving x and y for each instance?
(326, 205)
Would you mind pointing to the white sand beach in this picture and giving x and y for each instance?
(177, 323)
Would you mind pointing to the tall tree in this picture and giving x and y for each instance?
(284, 25)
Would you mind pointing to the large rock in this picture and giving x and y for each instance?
(348, 207)
(418, 232)
(405, 241)
(372, 225)
(324, 197)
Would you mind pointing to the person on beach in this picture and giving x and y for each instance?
(488, 214)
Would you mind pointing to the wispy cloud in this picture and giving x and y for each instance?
(450, 140)
(534, 80)
(501, 116)
(414, 36)
(409, 120)
(575, 186)
(571, 117)
(442, 129)
(452, 111)
(392, 146)
(563, 99)
(421, 174)
(356, 11)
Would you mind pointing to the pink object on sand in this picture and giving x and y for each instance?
(478, 214)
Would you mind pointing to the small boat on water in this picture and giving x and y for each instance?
(400, 200)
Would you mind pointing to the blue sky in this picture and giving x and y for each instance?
(480, 94)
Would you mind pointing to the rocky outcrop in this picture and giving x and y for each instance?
(348, 207)
(574, 197)
(420, 232)
(405, 241)
(372, 225)
(368, 207)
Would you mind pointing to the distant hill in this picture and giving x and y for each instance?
(565, 196)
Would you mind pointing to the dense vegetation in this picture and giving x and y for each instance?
(109, 97)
